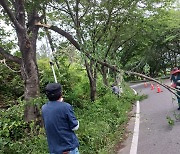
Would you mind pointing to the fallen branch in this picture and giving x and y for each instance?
(171, 89)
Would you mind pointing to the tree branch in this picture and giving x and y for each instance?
(111, 43)
(125, 41)
(77, 13)
(151, 79)
(70, 11)
(20, 12)
(113, 67)
(11, 15)
(105, 26)
(67, 35)
(5, 64)
(85, 12)
(61, 32)
(9, 56)
(88, 69)
(58, 8)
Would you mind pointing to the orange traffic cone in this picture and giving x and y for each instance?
(145, 84)
(158, 89)
(152, 86)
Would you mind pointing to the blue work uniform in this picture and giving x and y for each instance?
(59, 120)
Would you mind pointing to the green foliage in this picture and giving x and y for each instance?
(9, 127)
(18, 136)
(72, 77)
(170, 121)
(100, 122)
(12, 126)
(35, 145)
(155, 44)
(45, 71)
(118, 32)
(11, 86)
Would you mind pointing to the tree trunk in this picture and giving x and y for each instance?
(92, 90)
(104, 75)
(27, 36)
(92, 78)
(27, 43)
(29, 73)
(31, 88)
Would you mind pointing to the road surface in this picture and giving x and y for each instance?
(154, 135)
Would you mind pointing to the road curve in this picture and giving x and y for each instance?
(156, 136)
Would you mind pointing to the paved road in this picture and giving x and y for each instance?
(156, 136)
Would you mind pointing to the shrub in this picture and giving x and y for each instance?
(101, 122)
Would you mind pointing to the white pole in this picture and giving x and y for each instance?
(54, 73)
(51, 63)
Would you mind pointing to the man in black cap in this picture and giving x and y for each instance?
(60, 122)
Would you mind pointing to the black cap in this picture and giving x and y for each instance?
(53, 88)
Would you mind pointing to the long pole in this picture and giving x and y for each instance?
(51, 63)
(52, 66)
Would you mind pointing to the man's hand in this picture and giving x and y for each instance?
(66, 152)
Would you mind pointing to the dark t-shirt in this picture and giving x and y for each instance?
(59, 120)
(175, 78)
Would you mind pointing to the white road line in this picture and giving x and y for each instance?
(136, 85)
(134, 143)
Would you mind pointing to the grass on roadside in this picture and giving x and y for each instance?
(102, 126)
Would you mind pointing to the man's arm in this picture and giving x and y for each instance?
(76, 127)
(73, 122)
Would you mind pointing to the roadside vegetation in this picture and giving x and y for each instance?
(102, 122)
(90, 44)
